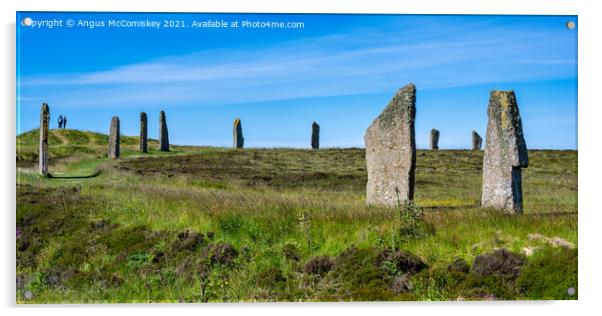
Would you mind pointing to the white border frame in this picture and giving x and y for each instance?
(589, 128)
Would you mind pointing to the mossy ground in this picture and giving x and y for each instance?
(158, 227)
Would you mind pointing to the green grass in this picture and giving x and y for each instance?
(117, 236)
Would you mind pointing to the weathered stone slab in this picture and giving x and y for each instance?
(143, 133)
(434, 139)
(43, 152)
(315, 136)
(163, 134)
(477, 141)
(505, 154)
(391, 151)
(114, 138)
(239, 140)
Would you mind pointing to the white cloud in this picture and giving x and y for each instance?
(368, 61)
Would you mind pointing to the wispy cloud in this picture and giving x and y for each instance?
(361, 62)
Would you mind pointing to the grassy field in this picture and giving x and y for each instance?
(202, 224)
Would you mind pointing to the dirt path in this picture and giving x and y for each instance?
(64, 140)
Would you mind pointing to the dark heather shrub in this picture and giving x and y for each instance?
(458, 266)
(500, 262)
(223, 253)
(319, 265)
(402, 261)
(188, 240)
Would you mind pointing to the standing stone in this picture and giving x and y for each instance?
(505, 154)
(143, 133)
(434, 139)
(315, 136)
(114, 138)
(163, 135)
(391, 151)
(239, 140)
(477, 141)
(43, 153)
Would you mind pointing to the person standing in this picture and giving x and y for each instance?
(64, 122)
(60, 119)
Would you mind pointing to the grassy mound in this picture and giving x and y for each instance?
(65, 143)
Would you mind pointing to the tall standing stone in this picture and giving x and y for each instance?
(505, 154)
(143, 133)
(114, 138)
(163, 134)
(434, 139)
(391, 151)
(315, 136)
(43, 153)
(477, 141)
(238, 139)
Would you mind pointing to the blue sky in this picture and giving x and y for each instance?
(338, 70)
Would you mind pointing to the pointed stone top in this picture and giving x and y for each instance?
(410, 87)
(236, 121)
(403, 104)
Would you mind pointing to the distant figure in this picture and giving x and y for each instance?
(60, 119)
(64, 122)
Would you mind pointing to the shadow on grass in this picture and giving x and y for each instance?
(552, 214)
(442, 208)
(95, 174)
